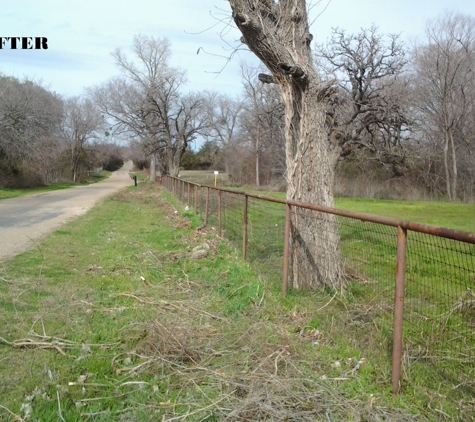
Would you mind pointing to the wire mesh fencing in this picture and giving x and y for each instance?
(265, 236)
(440, 304)
(418, 279)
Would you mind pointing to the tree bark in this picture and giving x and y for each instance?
(446, 166)
(153, 169)
(278, 34)
(315, 258)
(258, 182)
(454, 167)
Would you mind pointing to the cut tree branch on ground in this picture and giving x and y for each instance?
(164, 303)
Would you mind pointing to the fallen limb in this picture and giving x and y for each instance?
(28, 343)
(15, 416)
(164, 303)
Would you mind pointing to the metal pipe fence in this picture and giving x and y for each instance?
(421, 278)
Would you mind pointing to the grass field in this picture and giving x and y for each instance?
(459, 216)
(13, 193)
(141, 175)
(440, 274)
(204, 177)
(111, 319)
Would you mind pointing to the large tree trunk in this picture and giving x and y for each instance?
(172, 166)
(153, 168)
(278, 34)
(446, 167)
(454, 167)
(315, 259)
(175, 168)
(75, 157)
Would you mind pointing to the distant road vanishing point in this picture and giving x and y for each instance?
(26, 219)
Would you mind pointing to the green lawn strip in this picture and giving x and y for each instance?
(141, 175)
(13, 193)
(97, 177)
(204, 177)
(459, 216)
(113, 320)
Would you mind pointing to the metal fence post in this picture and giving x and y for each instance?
(285, 271)
(206, 205)
(244, 228)
(196, 199)
(399, 308)
(219, 213)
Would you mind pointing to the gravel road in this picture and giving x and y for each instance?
(29, 218)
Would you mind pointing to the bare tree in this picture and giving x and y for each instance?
(80, 125)
(147, 101)
(446, 89)
(278, 33)
(29, 113)
(225, 113)
(188, 120)
(263, 122)
(369, 111)
(49, 160)
(124, 104)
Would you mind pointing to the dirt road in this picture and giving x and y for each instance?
(28, 218)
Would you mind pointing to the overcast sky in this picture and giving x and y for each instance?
(81, 35)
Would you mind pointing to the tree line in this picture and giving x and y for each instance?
(400, 119)
(45, 138)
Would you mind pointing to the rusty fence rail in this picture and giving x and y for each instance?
(421, 278)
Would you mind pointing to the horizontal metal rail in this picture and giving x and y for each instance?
(458, 235)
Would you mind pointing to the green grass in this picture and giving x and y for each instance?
(459, 216)
(141, 175)
(13, 193)
(440, 273)
(112, 320)
(205, 177)
(97, 177)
